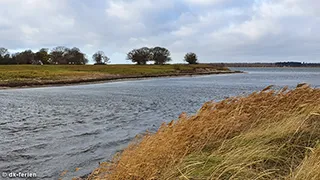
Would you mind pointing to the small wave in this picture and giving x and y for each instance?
(91, 148)
(16, 156)
(96, 132)
(118, 142)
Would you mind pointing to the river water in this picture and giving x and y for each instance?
(49, 130)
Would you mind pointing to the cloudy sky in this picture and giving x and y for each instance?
(217, 30)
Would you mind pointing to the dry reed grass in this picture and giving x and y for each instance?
(266, 135)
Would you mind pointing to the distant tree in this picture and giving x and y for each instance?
(3, 52)
(191, 58)
(43, 56)
(289, 64)
(14, 58)
(25, 57)
(5, 56)
(140, 56)
(58, 55)
(160, 55)
(100, 58)
(75, 56)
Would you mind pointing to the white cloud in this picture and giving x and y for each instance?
(134, 10)
(121, 10)
(204, 2)
(279, 9)
(184, 31)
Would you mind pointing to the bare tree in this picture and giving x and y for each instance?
(140, 56)
(25, 57)
(58, 55)
(75, 56)
(161, 55)
(5, 56)
(3, 52)
(43, 56)
(100, 58)
(191, 58)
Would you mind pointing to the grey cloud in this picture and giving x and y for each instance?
(265, 30)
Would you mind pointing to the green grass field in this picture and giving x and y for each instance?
(20, 75)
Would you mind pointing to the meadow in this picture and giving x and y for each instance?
(271, 134)
(28, 75)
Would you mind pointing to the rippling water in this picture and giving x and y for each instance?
(49, 130)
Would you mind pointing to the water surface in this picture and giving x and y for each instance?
(49, 130)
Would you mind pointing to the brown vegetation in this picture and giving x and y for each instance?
(266, 135)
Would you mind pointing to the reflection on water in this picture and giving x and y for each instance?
(49, 130)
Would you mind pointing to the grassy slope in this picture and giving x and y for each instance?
(15, 75)
(267, 135)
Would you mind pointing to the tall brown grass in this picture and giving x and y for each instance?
(266, 135)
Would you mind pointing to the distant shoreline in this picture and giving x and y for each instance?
(272, 67)
(107, 79)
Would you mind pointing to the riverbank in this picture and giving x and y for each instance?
(271, 65)
(266, 135)
(18, 76)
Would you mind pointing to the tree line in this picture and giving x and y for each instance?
(64, 55)
(58, 55)
(296, 64)
(158, 55)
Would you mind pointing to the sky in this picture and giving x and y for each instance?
(216, 30)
